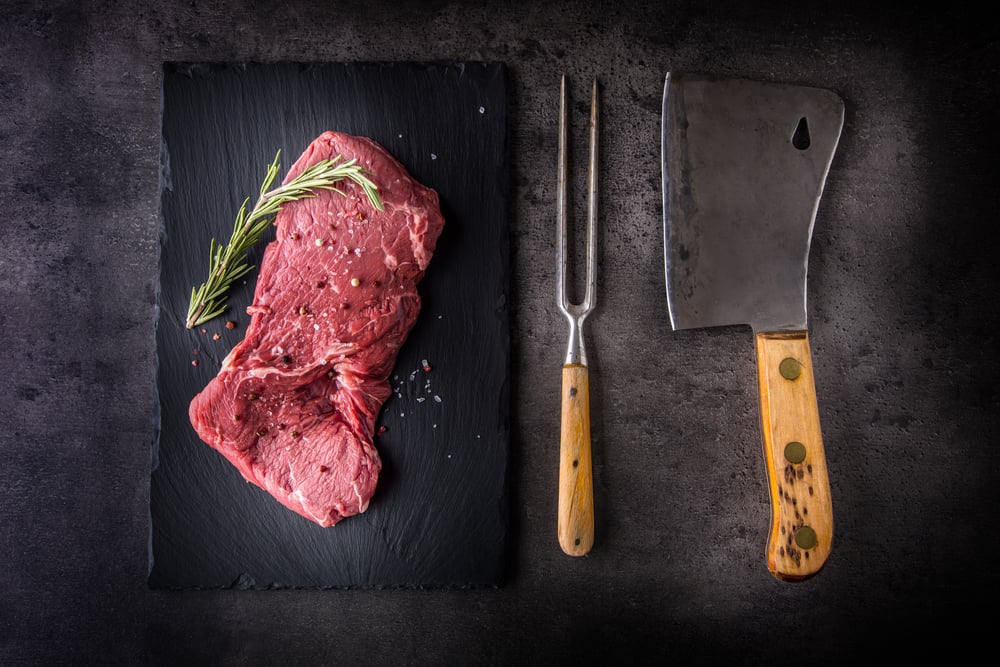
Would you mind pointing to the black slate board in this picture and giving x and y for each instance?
(438, 518)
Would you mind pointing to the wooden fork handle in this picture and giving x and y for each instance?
(576, 485)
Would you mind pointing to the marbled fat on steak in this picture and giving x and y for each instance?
(295, 402)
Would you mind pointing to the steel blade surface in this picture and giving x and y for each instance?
(744, 166)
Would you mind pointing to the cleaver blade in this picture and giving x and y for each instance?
(744, 167)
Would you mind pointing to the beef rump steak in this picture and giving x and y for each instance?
(295, 402)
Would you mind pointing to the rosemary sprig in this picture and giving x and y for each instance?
(228, 263)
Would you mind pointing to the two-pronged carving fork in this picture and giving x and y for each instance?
(576, 486)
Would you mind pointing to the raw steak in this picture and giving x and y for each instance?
(294, 404)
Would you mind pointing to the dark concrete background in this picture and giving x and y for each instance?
(902, 318)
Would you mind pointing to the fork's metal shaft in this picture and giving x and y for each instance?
(576, 487)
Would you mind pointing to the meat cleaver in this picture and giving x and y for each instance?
(744, 166)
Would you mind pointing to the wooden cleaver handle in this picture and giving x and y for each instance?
(576, 485)
(801, 510)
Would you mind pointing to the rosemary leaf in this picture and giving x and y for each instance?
(226, 264)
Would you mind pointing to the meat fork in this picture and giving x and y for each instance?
(576, 485)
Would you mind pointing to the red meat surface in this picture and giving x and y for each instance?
(295, 402)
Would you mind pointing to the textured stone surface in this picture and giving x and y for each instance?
(902, 319)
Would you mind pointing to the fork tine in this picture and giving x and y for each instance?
(590, 296)
(561, 200)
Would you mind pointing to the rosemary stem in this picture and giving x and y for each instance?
(228, 263)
